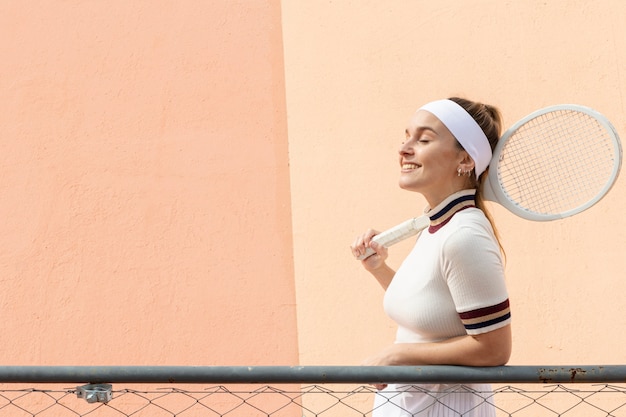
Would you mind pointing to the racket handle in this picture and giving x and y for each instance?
(398, 233)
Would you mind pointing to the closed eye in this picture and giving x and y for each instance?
(423, 134)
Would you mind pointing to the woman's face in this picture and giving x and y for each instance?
(429, 159)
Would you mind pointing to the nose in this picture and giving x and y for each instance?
(405, 148)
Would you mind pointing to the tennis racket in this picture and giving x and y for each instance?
(556, 162)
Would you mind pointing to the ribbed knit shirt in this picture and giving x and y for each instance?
(452, 282)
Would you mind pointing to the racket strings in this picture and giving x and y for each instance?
(556, 162)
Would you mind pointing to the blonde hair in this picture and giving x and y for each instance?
(489, 119)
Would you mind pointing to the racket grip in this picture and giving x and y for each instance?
(398, 233)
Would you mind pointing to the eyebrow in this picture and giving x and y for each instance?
(422, 128)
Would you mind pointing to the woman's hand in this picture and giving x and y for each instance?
(360, 245)
(383, 358)
(375, 264)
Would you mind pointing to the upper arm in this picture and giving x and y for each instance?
(474, 274)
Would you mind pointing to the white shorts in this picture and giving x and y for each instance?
(434, 400)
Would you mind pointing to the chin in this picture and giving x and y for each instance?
(408, 186)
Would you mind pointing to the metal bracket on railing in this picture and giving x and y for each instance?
(95, 393)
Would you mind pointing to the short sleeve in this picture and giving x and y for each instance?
(473, 269)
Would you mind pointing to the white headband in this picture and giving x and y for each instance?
(465, 130)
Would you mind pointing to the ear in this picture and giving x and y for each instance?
(466, 163)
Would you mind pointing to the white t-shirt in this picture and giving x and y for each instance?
(451, 284)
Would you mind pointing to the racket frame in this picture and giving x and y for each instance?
(493, 190)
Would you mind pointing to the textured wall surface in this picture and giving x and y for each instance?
(145, 215)
(181, 180)
(355, 73)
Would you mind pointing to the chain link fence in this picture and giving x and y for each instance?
(338, 391)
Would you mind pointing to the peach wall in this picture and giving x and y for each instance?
(145, 214)
(357, 70)
(164, 204)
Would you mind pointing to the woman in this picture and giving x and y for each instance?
(448, 297)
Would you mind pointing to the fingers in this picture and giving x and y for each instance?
(374, 361)
(378, 248)
(362, 242)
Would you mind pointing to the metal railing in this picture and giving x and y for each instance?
(281, 391)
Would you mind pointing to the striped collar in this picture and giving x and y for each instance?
(443, 212)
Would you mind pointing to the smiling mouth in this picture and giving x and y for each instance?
(409, 166)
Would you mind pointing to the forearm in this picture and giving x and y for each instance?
(384, 274)
(489, 349)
